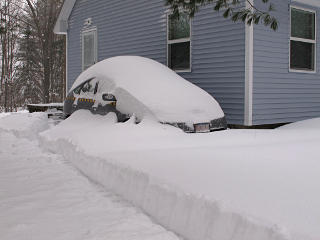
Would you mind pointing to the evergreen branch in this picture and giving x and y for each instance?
(248, 15)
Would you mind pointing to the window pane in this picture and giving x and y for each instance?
(179, 56)
(88, 50)
(302, 56)
(302, 24)
(179, 27)
(87, 87)
(77, 89)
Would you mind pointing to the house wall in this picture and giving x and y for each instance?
(138, 27)
(279, 95)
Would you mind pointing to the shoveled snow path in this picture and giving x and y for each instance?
(43, 197)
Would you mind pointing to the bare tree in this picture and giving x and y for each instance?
(43, 15)
(32, 56)
(9, 15)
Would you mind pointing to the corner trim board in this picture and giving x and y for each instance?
(248, 72)
(67, 59)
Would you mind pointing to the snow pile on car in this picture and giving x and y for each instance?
(145, 87)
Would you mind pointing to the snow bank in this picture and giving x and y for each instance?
(4, 114)
(147, 88)
(236, 184)
(186, 214)
(310, 124)
(25, 124)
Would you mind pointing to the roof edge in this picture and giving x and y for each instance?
(61, 26)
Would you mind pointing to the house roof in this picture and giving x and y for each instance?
(61, 26)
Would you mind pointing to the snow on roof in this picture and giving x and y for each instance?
(145, 87)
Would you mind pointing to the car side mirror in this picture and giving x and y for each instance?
(108, 97)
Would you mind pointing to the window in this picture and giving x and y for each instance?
(89, 48)
(89, 87)
(77, 90)
(85, 86)
(302, 40)
(178, 39)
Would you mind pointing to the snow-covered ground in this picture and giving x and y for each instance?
(43, 197)
(233, 184)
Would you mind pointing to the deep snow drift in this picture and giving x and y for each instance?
(42, 197)
(233, 184)
(145, 87)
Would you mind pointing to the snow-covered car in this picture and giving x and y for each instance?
(133, 86)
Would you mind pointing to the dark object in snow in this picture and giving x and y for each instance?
(54, 110)
(44, 107)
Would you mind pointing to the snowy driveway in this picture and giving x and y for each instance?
(43, 197)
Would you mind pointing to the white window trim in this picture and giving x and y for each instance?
(304, 40)
(181, 40)
(315, 3)
(87, 32)
(248, 103)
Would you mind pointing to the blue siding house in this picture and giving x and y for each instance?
(257, 75)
